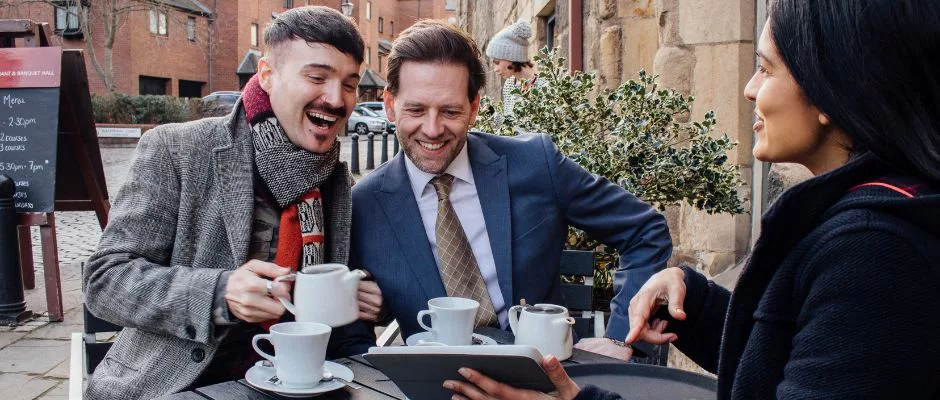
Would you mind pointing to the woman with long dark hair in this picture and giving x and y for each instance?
(840, 297)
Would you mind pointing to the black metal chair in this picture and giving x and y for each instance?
(590, 323)
(94, 350)
(578, 298)
(86, 351)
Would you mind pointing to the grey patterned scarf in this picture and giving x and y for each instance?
(287, 170)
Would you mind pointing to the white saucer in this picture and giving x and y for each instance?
(426, 336)
(259, 375)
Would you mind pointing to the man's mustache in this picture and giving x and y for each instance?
(321, 108)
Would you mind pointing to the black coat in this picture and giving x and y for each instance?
(840, 297)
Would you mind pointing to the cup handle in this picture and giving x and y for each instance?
(286, 300)
(254, 343)
(421, 315)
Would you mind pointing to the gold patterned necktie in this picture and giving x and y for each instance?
(459, 269)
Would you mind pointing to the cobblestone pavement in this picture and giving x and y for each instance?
(34, 356)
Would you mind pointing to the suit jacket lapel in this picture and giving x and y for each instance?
(233, 170)
(492, 183)
(401, 209)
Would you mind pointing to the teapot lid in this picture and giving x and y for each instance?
(544, 309)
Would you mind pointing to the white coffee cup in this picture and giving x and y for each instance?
(299, 352)
(325, 293)
(451, 320)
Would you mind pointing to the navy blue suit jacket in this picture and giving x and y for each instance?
(529, 192)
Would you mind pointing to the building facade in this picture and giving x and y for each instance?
(155, 50)
(190, 48)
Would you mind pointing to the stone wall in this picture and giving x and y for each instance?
(700, 47)
(704, 48)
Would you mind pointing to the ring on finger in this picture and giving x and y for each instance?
(269, 288)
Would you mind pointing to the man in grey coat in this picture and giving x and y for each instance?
(213, 210)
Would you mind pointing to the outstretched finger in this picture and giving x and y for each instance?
(640, 309)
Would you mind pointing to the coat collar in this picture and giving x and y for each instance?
(233, 165)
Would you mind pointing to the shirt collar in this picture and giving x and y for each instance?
(459, 168)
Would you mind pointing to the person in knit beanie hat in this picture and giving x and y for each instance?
(509, 51)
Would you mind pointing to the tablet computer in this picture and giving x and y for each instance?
(420, 371)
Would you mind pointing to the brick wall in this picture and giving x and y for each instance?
(224, 60)
(135, 51)
(173, 56)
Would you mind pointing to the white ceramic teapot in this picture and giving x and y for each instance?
(547, 327)
(325, 293)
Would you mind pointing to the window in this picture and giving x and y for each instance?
(368, 55)
(190, 88)
(152, 85)
(450, 5)
(368, 10)
(550, 31)
(391, 28)
(380, 24)
(191, 29)
(288, 4)
(254, 35)
(67, 17)
(158, 22)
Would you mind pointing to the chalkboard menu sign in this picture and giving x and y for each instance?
(29, 107)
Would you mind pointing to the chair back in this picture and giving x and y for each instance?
(578, 298)
(95, 351)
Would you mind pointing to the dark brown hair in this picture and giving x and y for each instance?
(315, 24)
(517, 66)
(429, 41)
(842, 51)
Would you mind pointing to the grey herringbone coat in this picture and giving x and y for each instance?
(182, 218)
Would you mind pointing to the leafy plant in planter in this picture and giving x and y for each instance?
(638, 135)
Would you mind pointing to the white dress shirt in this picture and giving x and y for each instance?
(466, 203)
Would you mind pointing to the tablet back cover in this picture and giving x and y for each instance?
(421, 376)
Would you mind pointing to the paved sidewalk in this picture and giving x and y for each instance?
(34, 356)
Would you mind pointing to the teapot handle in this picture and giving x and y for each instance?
(355, 275)
(514, 318)
(286, 300)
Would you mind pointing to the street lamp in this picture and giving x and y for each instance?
(347, 7)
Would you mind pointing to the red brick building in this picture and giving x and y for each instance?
(193, 47)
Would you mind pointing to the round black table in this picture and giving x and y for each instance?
(637, 381)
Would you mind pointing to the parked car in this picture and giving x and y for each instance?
(363, 124)
(376, 106)
(220, 103)
(369, 108)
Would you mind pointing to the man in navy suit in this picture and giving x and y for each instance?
(514, 199)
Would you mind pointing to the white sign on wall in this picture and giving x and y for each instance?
(110, 132)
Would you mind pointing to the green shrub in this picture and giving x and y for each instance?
(145, 109)
(633, 135)
(638, 136)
